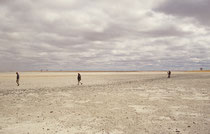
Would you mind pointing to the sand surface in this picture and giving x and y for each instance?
(107, 103)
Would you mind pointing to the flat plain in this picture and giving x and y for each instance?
(106, 103)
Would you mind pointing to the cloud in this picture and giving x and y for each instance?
(196, 9)
(101, 35)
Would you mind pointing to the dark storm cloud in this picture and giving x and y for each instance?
(197, 9)
(101, 35)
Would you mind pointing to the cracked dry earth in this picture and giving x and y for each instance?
(107, 103)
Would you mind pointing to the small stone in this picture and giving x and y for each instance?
(51, 111)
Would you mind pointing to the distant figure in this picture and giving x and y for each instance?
(79, 78)
(17, 80)
(169, 74)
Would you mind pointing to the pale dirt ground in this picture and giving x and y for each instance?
(107, 103)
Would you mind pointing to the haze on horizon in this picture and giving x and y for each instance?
(104, 35)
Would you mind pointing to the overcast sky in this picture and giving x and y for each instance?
(104, 34)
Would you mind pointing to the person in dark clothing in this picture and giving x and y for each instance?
(18, 78)
(169, 74)
(79, 79)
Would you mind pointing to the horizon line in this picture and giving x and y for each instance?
(116, 71)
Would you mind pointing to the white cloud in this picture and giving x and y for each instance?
(102, 35)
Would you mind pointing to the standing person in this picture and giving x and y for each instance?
(169, 74)
(17, 80)
(79, 78)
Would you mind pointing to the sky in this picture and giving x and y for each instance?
(104, 35)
